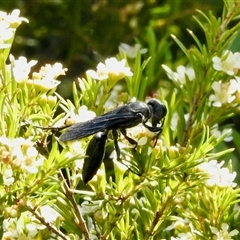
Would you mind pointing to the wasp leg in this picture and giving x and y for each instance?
(130, 140)
(115, 140)
(131, 166)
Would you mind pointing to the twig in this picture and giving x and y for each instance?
(69, 194)
(51, 227)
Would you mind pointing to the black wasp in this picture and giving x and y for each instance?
(121, 118)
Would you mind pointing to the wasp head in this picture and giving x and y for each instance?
(158, 110)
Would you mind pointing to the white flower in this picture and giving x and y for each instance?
(120, 166)
(112, 69)
(223, 234)
(229, 63)
(173, 152)
(184, 236)
(25, 155)
(43, 85)
(49, 214)
(50, 72)
(83, 115)
(25, 227)
(32, 230)
(115, 92)
(30, 162)
(131, 51)
(223, 92)
(178, 224)
(6, 34)
(8, 25)
(217, 175)
(181, 74)
(182, 225)
(175, 119)
(71, 117)
(10, 229)
(238, 83)
(13, 19)
(21, 153)
(217, 133)
(46, 78)
(21, 68)
(7, 177)
(236, 210)
(140, 134)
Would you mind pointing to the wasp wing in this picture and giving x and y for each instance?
(118, 118)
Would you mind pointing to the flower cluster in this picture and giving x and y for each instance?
(18, 153)
(43, 80)
(21, 68)
(8, 25)
(217, 175)
(112, 69)
(131, 51)
(228, 63)
(216, 180)
(226, 92)
(181, 74)
(192, 234)
(218, 133)
(175, 120)
(13, 227)
(83, 115)
(223, 232)
(223, 93)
